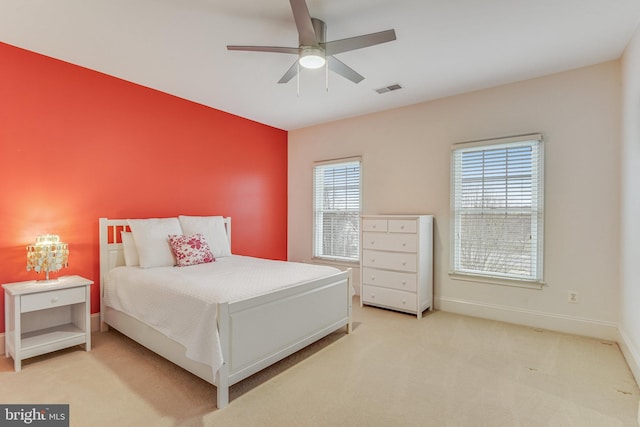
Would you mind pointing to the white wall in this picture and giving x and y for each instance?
(630, 222)
(406, 170)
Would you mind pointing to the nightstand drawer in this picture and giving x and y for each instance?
(50, 299)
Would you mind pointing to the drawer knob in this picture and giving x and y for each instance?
(373, 296)
(404, 244)
(373, 260)
(402, 227)
(404, 282)
(374, 226)
(54, 300)
(404, 263)
(373, 278)
(404, 301)
(373, 242)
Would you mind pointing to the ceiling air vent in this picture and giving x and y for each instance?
(388, 88)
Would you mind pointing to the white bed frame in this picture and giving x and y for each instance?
(254, 333)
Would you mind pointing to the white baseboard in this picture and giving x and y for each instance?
(537, 319)
(95, 322)
(632, 355)
(2, 344)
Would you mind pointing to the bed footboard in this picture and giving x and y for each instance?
(260, 331)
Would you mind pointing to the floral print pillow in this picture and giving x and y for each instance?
(190, 250)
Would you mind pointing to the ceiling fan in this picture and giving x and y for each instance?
(314, 51)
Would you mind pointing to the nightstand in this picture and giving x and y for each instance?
(45, 316)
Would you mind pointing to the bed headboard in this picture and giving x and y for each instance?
(111, 251)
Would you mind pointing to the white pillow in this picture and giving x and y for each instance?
(131, 258)
(213, 230)
(152, 240)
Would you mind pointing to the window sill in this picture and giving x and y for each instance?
(335, 261)
(527, 284)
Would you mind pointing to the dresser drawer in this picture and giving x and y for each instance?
(390, 279)
(389, 260)
(390, 242)
(374, 225)
(390, 298)
(52, 299)
(402, 226)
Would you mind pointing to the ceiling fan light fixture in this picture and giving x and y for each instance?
(314, 51)
(312, 57)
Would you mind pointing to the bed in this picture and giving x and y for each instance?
(247, 329)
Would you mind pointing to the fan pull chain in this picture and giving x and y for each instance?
(298, 81)
(326, 76)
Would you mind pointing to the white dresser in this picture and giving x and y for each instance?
(397, 262)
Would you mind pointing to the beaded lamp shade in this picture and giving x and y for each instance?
(47, 254)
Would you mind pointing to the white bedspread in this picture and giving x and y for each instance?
(181, 302)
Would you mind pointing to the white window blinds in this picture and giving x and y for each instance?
(336, 187)
(497, 208)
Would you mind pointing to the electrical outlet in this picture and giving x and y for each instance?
(572, 297)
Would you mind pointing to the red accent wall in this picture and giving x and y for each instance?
(76, 145)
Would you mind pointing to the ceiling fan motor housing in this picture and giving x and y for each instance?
(321, 30)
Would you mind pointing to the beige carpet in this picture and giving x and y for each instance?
(393, 370)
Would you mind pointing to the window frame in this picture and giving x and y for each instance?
(536, 278)
(316, 245)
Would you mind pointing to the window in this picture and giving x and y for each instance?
(497, 209)
(336, 188)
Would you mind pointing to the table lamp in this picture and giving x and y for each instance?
(47, 254)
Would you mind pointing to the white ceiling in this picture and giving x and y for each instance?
(443, 47)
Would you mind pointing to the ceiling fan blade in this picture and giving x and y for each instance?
(276, 49)
(344, 70)
(306, 32)
(358, 42)
(291, 73)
